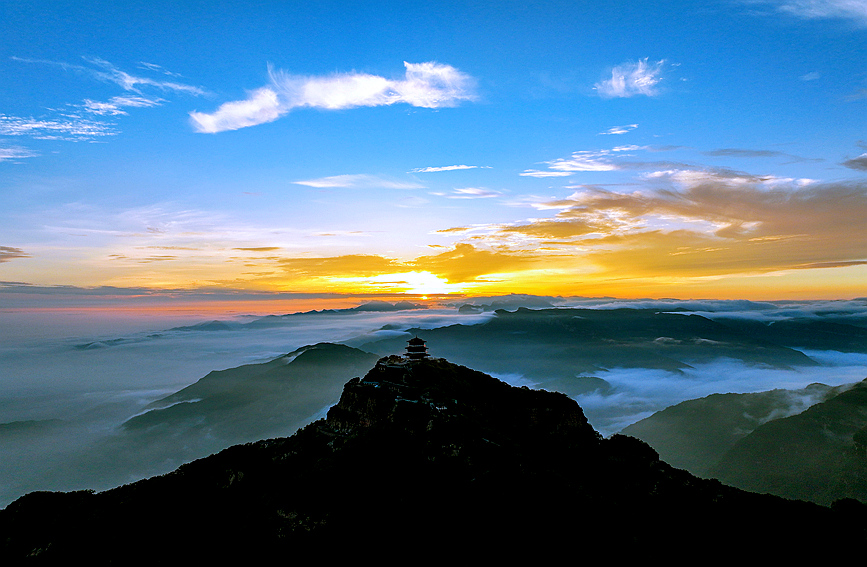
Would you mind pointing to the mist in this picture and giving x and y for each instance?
(638, 393)
(70, 380)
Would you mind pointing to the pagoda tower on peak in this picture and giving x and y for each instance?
(416, 349)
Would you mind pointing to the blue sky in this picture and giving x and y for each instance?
(624, 148)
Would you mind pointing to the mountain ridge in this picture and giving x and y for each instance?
(418, 456)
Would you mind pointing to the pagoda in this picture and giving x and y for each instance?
(416, 349)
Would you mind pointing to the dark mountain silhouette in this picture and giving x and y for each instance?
(423, 461)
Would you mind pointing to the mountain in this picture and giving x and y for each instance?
(694, 434)
(829, 333)
(224, 408)
(257, 400)
(562, 344)
(818, 455)
(425, 460)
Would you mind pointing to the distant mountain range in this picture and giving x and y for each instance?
(562, 344)
(416, 460)
(567, 350)
(226, 407)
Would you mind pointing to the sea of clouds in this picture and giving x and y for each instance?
(70, 379)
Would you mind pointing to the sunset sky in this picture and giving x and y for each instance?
(620, 148)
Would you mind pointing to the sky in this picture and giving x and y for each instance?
(247, 151)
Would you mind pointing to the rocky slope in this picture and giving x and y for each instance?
(420, 460)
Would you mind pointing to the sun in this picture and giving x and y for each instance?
(423, 284)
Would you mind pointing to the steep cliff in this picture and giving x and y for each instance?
(426, 458)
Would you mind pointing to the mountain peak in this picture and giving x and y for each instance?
(417, 456)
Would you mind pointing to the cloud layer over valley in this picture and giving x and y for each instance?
(68, 395)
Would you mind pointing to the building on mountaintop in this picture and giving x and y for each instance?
(416, 349)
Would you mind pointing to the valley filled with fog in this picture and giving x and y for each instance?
(87, 402)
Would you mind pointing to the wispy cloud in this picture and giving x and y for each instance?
(445, 168)
(157, 69)
(619, 129)
(859, 162)
(738, 152)
(115, 106)
(852, 10)
(105, 71)
(426, 85)
(359, 181)
(67, 127)
(631, 79)
(9, 253)
(135, 83)
(15, 152)
(474, 193)
(538, 173)
(91, 119)
(584, 160)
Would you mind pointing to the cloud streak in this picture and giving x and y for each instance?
(10, 153)
(443, 168)
(8, 253)
(619, 130)
(115, 105)
(425, 85)
(859, 163)
(359, 181)
(105, 71)
(90, 120)
(474, 193)
(586, 160)
(69, 128)
(852, 10)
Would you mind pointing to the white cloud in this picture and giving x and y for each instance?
(70, 128)
(261, 106)
(474, 193)
(855, 10)
(619, 129)
(631, 79)
(105, 71)
(89, 120)
(629, 148)
(116, 104)
(426, 85)
(15, 152)
(359, 181)
(443, 168)
(537, 173)
(132, 83)
(584, 161)
(156, 68)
